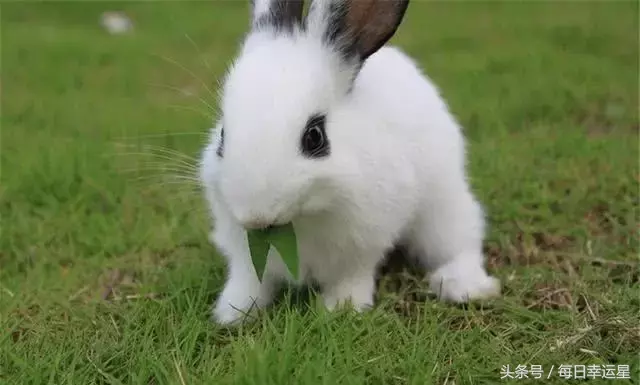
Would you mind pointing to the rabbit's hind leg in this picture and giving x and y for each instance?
(447, 238)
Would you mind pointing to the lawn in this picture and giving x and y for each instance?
(106, 274)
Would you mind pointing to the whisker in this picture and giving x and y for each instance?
(172, 88)
(164, 135)
(220, 85)
(164, 153)
(165, 165)
(169, 151)
(186, 172)
(160, 181)
(147, 154)
(158, 156)
(192, 109)
(171, 178)
(169, 189)
(175, 156)
(204, 60)
(187, 71)
(161, 170)
(177, 179)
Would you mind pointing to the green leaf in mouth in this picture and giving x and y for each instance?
(283, 239)
(259, 248)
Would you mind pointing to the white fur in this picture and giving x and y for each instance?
(396, 173)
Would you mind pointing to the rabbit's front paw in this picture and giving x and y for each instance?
(238, 301)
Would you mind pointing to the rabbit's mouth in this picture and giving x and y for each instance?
(261, 223)
(275, 215)
(261, 209)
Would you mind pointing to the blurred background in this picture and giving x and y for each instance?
(101, 132)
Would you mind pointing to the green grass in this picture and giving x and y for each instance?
(106, 273)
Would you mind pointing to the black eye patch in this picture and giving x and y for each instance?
(220, 149)
(314, 142)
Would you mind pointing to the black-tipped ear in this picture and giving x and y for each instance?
(357, 27)
(279, 15)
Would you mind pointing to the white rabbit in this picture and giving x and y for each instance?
(323, 127)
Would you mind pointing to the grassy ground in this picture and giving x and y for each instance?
(106, 274)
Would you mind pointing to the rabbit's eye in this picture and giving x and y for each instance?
(314, 139)
(220, 149)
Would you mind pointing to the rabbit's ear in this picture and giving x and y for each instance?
(276, 14)
(356, 27)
